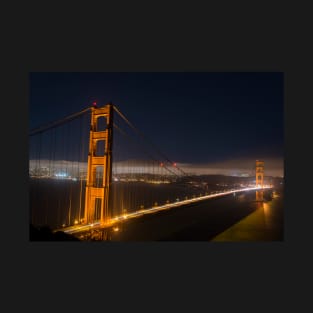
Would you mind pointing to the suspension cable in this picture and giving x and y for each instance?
(145, 138)
(43, 128)
(148, 154)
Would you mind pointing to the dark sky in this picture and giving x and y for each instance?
(192, 117)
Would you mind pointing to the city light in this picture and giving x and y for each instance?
(62, 174)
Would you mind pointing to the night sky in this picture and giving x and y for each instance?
(195, 118)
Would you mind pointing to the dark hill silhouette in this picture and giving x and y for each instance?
(44, 233)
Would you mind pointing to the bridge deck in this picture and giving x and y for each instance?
(118, 219)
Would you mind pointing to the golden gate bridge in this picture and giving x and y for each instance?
(94, 169)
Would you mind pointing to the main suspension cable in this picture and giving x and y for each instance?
(145, 138)
(148, 154)
(43, 128)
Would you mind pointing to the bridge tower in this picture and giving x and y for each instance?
(259, 173)
(97, 195)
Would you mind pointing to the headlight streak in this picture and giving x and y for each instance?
(124, 217)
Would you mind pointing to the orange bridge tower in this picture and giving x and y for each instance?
(99, 170)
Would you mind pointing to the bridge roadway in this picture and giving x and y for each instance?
(95, 226)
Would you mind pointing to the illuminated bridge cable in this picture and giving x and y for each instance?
(133, 198)
(136, 199)
(39, 158)
(151, 157)
(140, 133)
(81, 147)
(67, 170)
(145, 138)
(57, 123)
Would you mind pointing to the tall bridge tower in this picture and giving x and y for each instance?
(259, 173)
(97, 195)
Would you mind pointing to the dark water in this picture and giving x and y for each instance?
(204, 221)
(57, 202)
(54, 202)
(266, 223)
(228, 218)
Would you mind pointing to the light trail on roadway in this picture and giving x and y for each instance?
(123, 217)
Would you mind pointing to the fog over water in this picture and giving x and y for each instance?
(236, 167)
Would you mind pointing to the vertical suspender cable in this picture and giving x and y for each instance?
(81, 149)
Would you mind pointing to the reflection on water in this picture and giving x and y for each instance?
(264, 224)
(259, 195)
